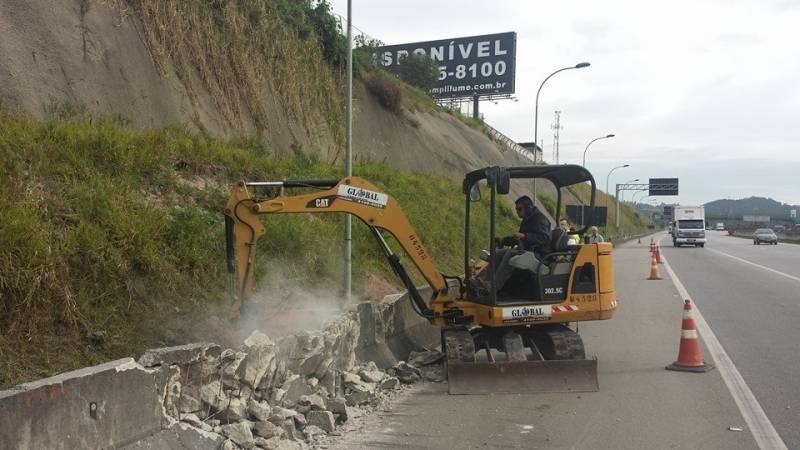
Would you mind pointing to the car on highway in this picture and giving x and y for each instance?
(766, 236)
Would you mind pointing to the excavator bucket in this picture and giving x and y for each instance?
(519, 377)
(556, 362)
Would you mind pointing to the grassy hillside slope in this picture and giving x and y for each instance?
(111, 240)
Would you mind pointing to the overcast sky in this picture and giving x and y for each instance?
(706, 91)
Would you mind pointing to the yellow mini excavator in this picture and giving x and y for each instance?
(510, 338)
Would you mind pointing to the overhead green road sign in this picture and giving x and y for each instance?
(663, 186)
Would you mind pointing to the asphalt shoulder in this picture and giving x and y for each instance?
(639, 405)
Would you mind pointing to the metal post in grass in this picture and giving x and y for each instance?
(348, 168)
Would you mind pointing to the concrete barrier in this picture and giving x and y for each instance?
(104, 406)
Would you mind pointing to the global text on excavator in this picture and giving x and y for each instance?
(513, 337)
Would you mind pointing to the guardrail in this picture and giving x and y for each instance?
(507, 142)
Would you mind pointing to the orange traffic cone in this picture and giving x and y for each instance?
(654, 275)
(689, 357)
(652, 246)
(658, 255)
(640, 241)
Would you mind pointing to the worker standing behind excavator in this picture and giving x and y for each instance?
(564, 224)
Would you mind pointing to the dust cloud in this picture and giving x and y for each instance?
(285, 302)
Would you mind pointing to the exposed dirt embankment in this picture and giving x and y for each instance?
(124, 59)
(100, 55)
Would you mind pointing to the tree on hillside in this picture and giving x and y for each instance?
(418, 70)
(364, 55)
(730, 209)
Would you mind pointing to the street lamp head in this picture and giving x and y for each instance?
(610, 136)
(626, 165)
(582, 65)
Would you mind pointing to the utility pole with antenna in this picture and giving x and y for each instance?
(556, 128)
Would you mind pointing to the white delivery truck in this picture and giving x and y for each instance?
(690, 226)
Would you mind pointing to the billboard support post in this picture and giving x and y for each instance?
(475, 114)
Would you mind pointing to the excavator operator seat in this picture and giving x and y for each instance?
(558, 241)
(528, 260)
(555, 262)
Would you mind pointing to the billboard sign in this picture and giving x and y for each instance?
(663, 186)
(579, 214)
(668, 211)
(468, 66)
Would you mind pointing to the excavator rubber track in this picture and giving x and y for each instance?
(525, 360)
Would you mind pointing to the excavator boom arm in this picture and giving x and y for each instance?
(354, 195)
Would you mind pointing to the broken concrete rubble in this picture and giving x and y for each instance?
(284, 393)
(433, 372)
(267, 430)
(188, 404)
(312, 431)
(240, 433)
(181, 354)
(212, 394)
(290, 427)
(359, 398)
(259, 410)
(296, 386)
(419, 359)
(371, 373)
(277, 396)
(405, 372)
(322, 419)
(279, 415)
(314, 401)
(259, 360)
(390, 384)
(264, 403)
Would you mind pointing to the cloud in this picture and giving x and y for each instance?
(706, 91)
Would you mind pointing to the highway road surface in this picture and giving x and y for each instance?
(750, 296)
(749, 403)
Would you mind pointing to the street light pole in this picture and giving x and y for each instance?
(590, 143)
(628, 182)
(536, 110)
(607, 178)
(348, 164)
(623, 193)
(612, 171)
(633, 199)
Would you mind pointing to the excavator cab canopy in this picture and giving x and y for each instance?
(498, 180)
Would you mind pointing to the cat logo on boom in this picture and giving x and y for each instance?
(321, 202)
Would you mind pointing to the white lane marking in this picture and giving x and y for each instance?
(763, 432)
(791, 277)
